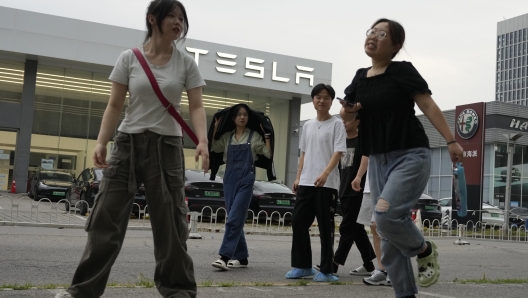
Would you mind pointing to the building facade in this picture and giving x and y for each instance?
(487, 161)
(512, 64)
(54, 89)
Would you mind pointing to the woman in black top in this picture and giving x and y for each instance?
(399, 162)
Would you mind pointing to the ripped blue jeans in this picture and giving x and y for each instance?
(397, 180)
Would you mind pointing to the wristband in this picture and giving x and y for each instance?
(451, 142)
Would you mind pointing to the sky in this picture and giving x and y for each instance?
(451, 42)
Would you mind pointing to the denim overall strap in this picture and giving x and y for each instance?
(240, 155)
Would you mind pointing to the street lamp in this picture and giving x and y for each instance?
(507, 197)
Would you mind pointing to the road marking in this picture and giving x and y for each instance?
(435, 295)
(78, 216)
(256, 289)
(293, 288)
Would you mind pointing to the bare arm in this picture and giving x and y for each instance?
(321, 180)
(197, 112)
(299, 170)
(363, 166)
(427, 105)
(109, 122)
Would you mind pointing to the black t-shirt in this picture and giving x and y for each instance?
(348, 167)
(388, 121)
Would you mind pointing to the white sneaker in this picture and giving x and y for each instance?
(378, 278)
(63, 294)
(361, 271)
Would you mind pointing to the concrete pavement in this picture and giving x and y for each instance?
(40, 256)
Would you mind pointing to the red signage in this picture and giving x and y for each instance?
(469, 133)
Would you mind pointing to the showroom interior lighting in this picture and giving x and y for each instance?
(90, 86)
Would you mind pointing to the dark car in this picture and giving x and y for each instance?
(202, 192)
(430, 210)
(519, 216)
(83, 190)
(50, 184)
(272, 197)
(516, 174)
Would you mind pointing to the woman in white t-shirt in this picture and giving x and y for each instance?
(148, 149)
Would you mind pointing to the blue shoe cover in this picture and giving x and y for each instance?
(325, 277)
(298, 273)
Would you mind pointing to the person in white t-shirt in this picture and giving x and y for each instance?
(322, 143)
(148, 149)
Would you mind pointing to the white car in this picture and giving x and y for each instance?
(490, 214)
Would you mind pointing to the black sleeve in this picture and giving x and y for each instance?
(350, 91)
(410, 80)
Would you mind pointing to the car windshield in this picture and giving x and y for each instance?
(98, 174)
(56, 176)
(270, 187)
(445, 202)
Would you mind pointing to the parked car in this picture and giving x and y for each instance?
(85, 188)
(429, 210)
(519, 216)
(491, 215)
(516, 174)
(271, 197)
(50, 184)
(201, 192)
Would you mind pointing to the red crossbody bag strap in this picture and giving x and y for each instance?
(162, 98)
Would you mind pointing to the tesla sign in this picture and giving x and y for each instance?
(254, 67)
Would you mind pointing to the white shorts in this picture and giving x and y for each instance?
(366, 213)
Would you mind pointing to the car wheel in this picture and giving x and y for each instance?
(30, 194)
(84, 204)
(67, 202)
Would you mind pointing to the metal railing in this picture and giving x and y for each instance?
(26, 211)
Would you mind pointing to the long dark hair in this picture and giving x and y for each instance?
(397, 33)
(160, 9)
(236, 108)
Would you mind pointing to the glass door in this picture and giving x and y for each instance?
(7, 158)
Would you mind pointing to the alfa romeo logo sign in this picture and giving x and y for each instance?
(467, 123)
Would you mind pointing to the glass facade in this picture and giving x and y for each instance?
(11, 83)
(440, 180)
(494, 180)
(69, 106)
(512, 67)
(497, 170)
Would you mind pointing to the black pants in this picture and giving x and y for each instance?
(352, 232)
(313, 202)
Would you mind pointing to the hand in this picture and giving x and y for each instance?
(202, 150)
(456, 152)
(295, 185)
(217, 121)
(356, 184)
(321, 180)
(99, 156)
(351, 108)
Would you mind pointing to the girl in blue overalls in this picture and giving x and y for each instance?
(240, 148)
